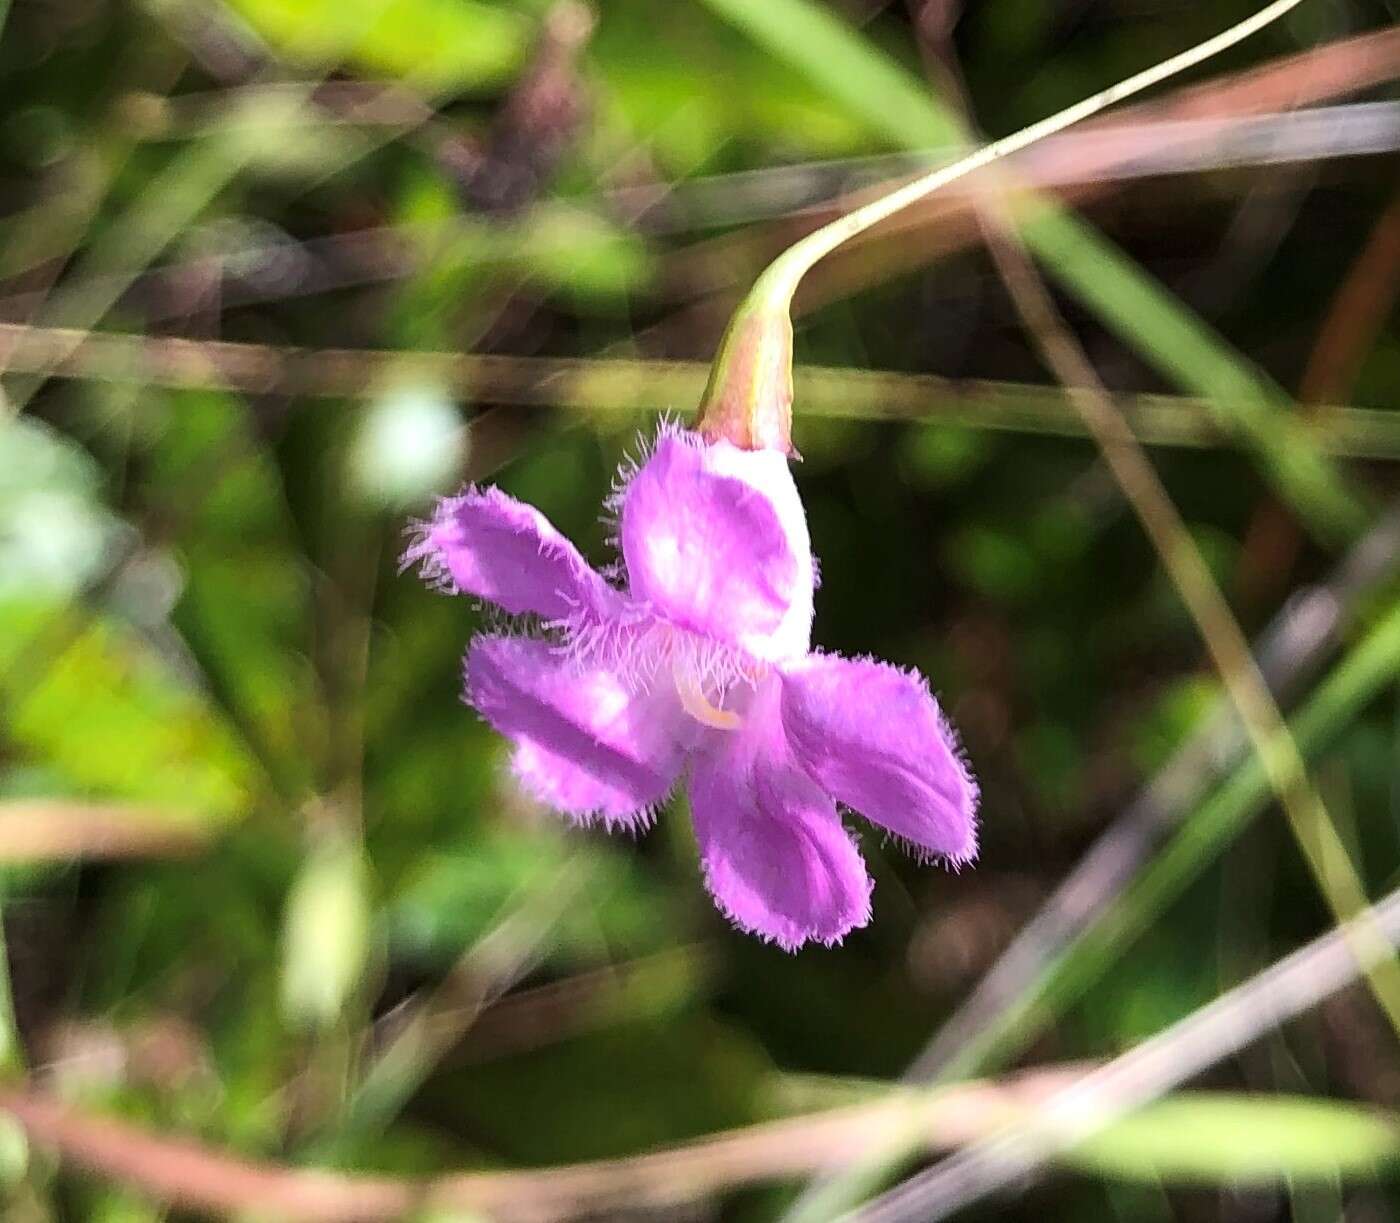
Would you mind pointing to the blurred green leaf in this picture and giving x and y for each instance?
(559, 248)
(90, 698)
(438, 44)
(730, 91)
(1218, 1138)
(944, 457)
(996, 561)
(450, 898)
(105, 1205)
(848, 66)
(14, 1150)
(1174, 713)
(325, 933)
(611, 1092)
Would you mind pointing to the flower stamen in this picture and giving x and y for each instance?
(697, 704)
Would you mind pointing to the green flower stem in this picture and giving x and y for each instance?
(776, 286)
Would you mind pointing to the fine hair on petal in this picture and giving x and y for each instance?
(432, 569)
(634, 458)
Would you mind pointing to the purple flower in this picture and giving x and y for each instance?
(698, 652)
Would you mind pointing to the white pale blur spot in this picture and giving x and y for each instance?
(409, 445)
(55, 533)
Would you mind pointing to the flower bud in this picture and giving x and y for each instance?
(748, 401)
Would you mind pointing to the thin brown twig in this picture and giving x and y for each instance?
(1350, 327)
(1283, 991)
(1356, 315)
(617, 385)
(61, 830)
(181, 1172)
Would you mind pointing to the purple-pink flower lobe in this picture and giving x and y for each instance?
(697, 660)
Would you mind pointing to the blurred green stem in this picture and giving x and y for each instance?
(1224, 640)
(11, 1050)
(427, 1027)
(1363, 672)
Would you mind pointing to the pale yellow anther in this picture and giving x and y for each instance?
(697, 704)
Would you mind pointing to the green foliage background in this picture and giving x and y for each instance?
(204, 629)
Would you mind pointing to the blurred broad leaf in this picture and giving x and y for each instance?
(92, 699)
(449, 899)
(847, 66)
(246, 606)
(326, 933)
(14, 1151)
(1211, 1138)
(441, 44)
(730, 90)
(106, 706)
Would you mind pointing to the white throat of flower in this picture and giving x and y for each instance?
(702, 671)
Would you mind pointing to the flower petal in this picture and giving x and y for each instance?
(497, 548)
(776, 859)
(584, 743)
(715, 540)
(874, 738)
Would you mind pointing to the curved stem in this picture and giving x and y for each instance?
(779, 281)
